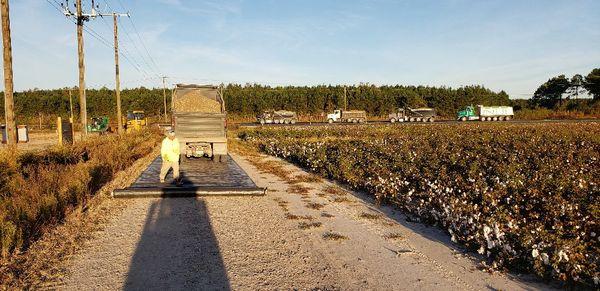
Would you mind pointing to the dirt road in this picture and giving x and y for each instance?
(302, 235)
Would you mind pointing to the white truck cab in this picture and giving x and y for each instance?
(333, 117)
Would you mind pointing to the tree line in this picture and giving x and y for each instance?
(556, 90)
(251, 99)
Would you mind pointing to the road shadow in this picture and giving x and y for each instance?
(178, 249)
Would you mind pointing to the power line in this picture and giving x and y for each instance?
(140, 38)
(100, 38)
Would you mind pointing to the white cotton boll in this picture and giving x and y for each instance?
(562, 256)
(545, 258)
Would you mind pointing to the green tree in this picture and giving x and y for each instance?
(592, 83)
(550, 93)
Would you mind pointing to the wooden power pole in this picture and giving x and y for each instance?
(165, 97)
(117, 78)
(345, 100)
(9, 104)
(117, 81)
(82, 98)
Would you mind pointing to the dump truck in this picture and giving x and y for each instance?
(277, 117)
(411, 115)
(486, 113)
(135, 120)
(99, 124)
(353, 116)
(199, 121)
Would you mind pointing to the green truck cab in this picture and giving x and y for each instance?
(467, 114)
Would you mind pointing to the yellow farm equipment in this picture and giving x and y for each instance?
(136, 120)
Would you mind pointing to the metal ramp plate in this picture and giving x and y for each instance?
(200, 177)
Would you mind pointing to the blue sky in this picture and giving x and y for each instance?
(503, 45)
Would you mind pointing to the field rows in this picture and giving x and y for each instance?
(526, 196)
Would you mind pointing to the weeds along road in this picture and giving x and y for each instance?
(518, 121)
(304, 234)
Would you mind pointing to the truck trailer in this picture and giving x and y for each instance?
(486, 113)
(411, 115)
(199, 121)
(353, 116)
(277, 117)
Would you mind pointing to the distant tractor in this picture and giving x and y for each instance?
(278, 117)
(413, 115)
(486, 113)
(99, 125)
(354, 116)
(136, 120)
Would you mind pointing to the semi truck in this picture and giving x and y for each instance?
(277, 117)
(199, 121)
(353, 116)
(486, 113)
(411, 115)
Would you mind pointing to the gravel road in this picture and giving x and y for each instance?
(310, 235)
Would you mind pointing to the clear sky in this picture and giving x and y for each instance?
(501, 44)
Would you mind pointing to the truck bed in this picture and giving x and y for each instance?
(199, 125)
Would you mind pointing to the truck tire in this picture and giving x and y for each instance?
(361, 121)
(495, 118)
(285, 121)
(463, 118)
(507, 118)
(430, 119)
(393, 120)
(354, 121)
(293, 121)
(329, 120)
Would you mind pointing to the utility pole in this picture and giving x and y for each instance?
(71, 118)
(82, 98)
(9, 104)
(81, 18)
(117, 78)
(165, 96)
(345, 99)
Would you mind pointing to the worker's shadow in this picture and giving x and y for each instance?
(178, 249)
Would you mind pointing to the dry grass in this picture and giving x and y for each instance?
(394, 236)
(41, 263)
(310, 178)
(334, 236)
(282, 203)
(273, 167)
(370, 216)
(298, 217)
(299, 189)
(314, 205)
(341, 199)
(335, 191)
(325, 214)
(307, 225)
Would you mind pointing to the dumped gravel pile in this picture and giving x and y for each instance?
(196, 101)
